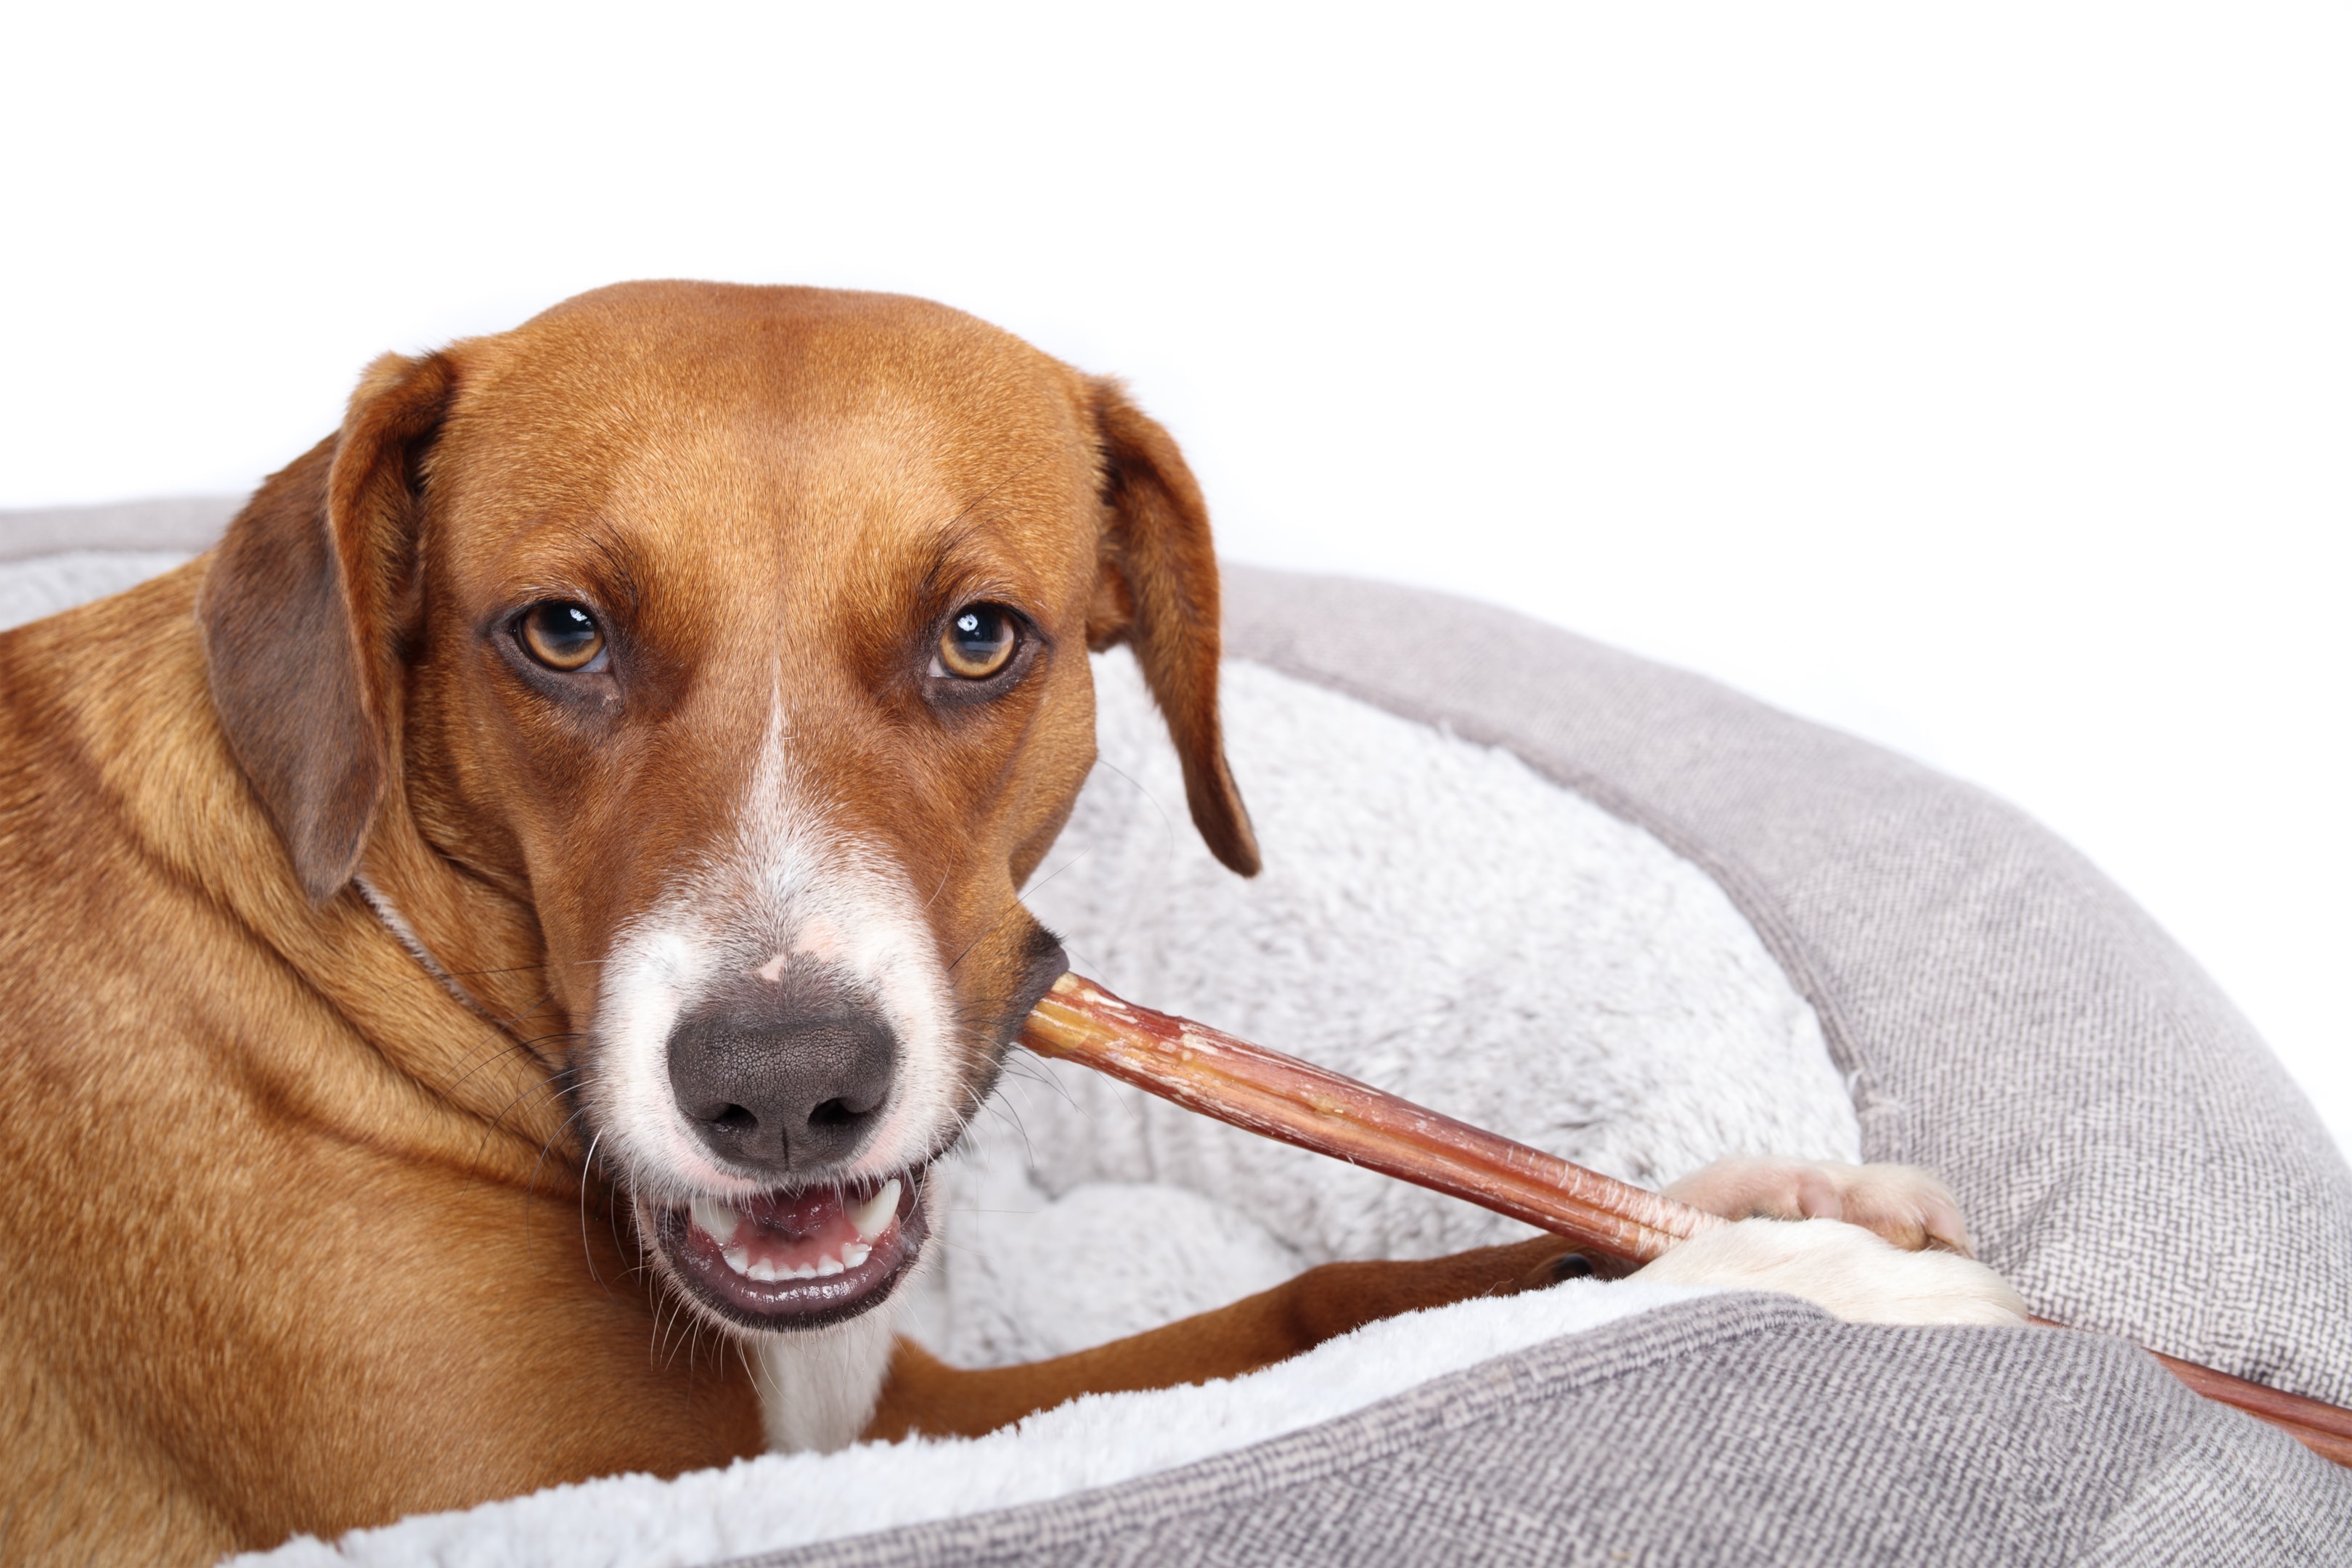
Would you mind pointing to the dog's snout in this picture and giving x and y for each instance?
(783, 1081)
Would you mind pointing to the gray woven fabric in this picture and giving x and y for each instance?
(2127, 1151)
(169, 522)
(1733, 1430)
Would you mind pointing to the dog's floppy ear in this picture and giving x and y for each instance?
(307, 603)
(1157, 590)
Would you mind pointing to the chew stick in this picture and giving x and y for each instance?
(1296, 1103)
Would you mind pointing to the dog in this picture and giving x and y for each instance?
(545, 887)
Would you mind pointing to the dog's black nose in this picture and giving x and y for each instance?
(782, 1079)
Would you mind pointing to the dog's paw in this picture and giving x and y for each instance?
(1904, 1204)
(1850, 1272)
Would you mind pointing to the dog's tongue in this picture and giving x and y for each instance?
(800, 1215)
(796, 1235)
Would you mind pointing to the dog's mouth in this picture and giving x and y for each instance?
(793, 1260)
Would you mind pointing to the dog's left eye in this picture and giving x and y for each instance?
(980, 640)
(562, 635)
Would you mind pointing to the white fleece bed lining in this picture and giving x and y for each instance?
(793, 1500)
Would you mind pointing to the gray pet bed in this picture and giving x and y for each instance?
(2129, 1153)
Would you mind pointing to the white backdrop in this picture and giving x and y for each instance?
(1975, 380)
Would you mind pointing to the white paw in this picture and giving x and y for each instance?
(1850, 1272)
(1907, 1205)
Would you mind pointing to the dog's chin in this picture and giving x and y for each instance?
(784, 1262)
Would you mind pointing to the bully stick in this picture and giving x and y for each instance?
(1297, 1102)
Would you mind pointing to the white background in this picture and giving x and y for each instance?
(1977, 380)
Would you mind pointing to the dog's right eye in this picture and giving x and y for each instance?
(980, 641)
(562, 635)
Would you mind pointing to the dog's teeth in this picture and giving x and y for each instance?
(826, 1266)
(764, 1272)
(873, 1216)
(739, 1259)
(717, 1220)
(856, 1253)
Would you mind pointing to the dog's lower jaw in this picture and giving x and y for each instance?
(819, 1388)
(820, 1384)
(1850, 1272)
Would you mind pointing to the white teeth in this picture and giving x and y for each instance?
(722, 1222)
(873, 1216)
(717, 1220)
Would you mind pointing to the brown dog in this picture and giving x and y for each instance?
(547, 882)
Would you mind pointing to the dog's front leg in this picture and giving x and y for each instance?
(926, 1394)
(1900, 1258)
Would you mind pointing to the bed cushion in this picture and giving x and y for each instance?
(1704, 1430)
(1736, 1429)
(1623, 912)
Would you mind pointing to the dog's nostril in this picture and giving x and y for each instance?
(782, 1088)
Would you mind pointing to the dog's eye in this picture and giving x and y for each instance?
(562, 635)
(978, 641)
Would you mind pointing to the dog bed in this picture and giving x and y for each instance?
(1621, 913)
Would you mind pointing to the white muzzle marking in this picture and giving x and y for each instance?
(789, 886)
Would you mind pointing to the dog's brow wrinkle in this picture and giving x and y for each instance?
(620, 562)
(975, 504)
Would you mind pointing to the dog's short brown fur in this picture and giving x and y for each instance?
(311, 877)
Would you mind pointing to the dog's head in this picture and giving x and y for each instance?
(739, 635)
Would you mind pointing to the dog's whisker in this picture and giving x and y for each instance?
(1166, 822)
(543, 999)
(553, 1085)
(531, 1187)
(942, 888)
(490, 1057)
(1013, 905)
(510, 969)
(1025, 1068)
(588, 1165)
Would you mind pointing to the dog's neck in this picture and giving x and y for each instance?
(483, 949)
(442, 1076)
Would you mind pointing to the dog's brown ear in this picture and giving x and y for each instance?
(308, 602)
(1157, 590)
